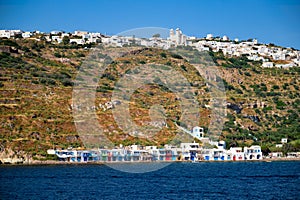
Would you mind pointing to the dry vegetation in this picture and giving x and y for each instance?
(36, 80)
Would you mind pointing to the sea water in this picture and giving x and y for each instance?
(204, 180)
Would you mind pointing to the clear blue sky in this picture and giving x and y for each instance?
(275, 21)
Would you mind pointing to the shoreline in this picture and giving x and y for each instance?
(54, 162)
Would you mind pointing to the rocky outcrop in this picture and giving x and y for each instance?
(235, 107)
(8, 156)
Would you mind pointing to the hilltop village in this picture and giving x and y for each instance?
(270, 54)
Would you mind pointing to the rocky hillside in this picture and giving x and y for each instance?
(36, 82)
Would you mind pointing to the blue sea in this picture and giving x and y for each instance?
(207, 180)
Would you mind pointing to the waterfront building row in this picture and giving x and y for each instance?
(135, 153)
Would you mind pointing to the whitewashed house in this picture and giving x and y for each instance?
(65, 35)
(190, 151)
(284, 140)
(253, 153)
(56, 38)
(198, 132)
(5, 34)
(209, 36)
(77, 40)
(275, 155)
(278, 56)
(284, 66)
(296, 61)
(26, 34)
(55, 32)
(236, 153)
(268, 64)
(9, 33)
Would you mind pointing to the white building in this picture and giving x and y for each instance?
(253, 153)
(177, 37)
(278, 56)
(198, 132)
(26, 34)
(276, 155)
(221, 144)
(118, 41)
(268, 64)
(236, 153)
(284, 140)
(220, 153)
(283, 66)
(65, 35)
(225, 38)
(190, 151)
(80, 33)
(4, 34)
(77, 41)
(55, 32)
(296, 61)
(190, 146)
(209, 36)
(9, 33)
(56, 38)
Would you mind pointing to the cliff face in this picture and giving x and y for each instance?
(36, 107)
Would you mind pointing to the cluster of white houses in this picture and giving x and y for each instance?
(185, 152)
(78, 37)
(215, 151)
(251, 48)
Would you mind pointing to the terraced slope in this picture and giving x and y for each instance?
(36, 80)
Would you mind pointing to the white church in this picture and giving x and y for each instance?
(177, 37)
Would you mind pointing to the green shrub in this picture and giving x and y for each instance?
(67, 82)
(176, 56)
(163, 55)
(183, 68)
(280, 105)
(8, 42)
(57, 55)
(247, 74)
(239, 91)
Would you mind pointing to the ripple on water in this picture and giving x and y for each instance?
(276, 180)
